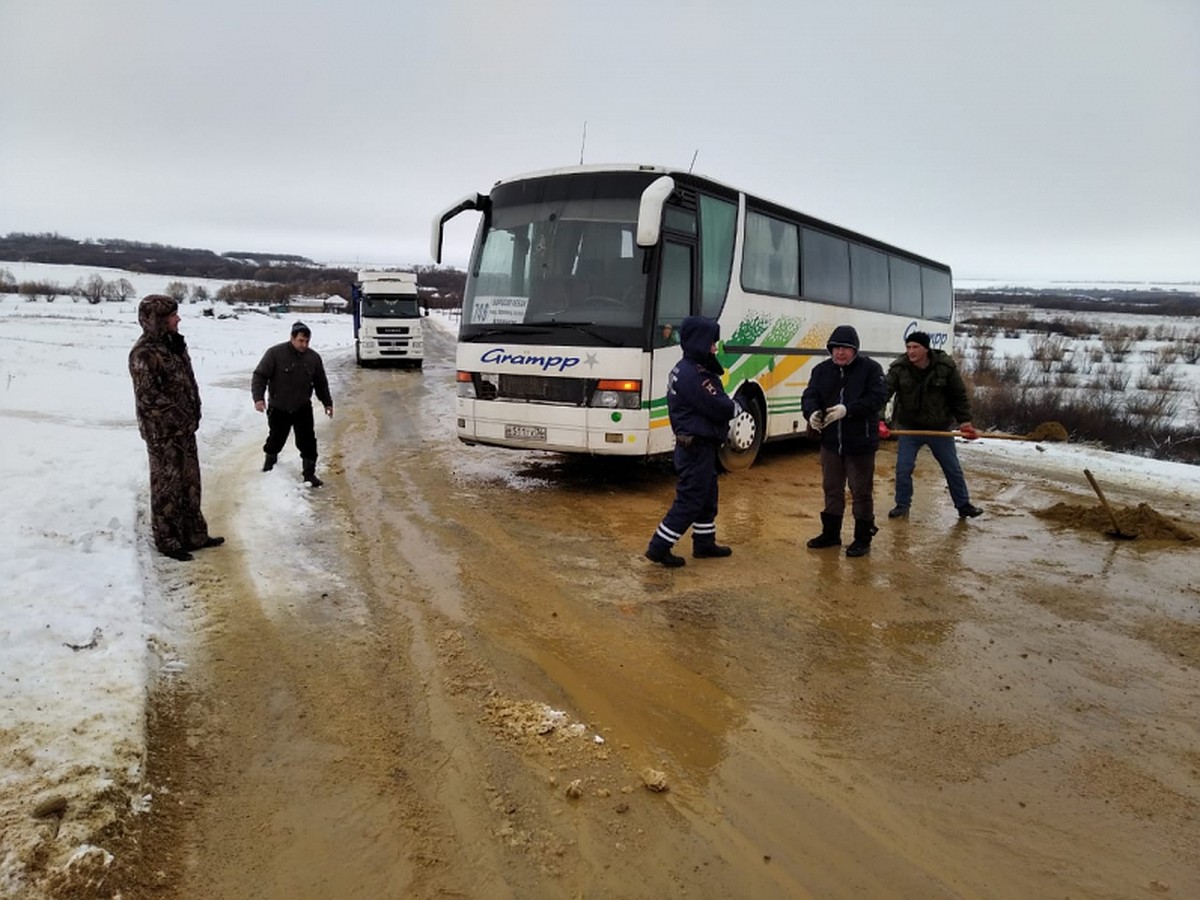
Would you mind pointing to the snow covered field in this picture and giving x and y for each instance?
(80, 632)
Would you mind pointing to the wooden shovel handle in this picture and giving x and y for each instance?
(995, 435)
(1103, 501)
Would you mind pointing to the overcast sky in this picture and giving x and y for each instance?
(1023, 139)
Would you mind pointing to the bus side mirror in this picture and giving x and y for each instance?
(650, 210)
(471, 201)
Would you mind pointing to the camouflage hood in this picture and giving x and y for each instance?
(153, 312)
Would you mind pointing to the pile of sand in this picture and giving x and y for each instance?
(1144, 521)
(1049, 432)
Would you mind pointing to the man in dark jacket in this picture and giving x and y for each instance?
(167, 402)
(700, 411)
(842, 401)
(290, 372)
(930, 396)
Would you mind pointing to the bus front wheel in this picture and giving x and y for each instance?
(754, 420)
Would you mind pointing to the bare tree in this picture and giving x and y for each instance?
(199, 293)
(118, 290)
(40, 290)
(92, 290)
(177, 291)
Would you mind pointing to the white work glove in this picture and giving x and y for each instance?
(817, 420)
(834, 413)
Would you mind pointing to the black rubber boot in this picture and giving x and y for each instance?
(269, 461)
(864, 530)
(831, 533)
(661, 554)
(310, 473)
(710, 550)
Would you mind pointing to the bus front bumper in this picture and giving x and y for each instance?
(554, 428)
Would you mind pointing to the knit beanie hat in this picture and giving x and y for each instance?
(918, 337)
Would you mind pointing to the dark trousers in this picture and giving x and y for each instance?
(175, 518)
(281, 422)
(947, 457)
(695, 503)
(857, 471)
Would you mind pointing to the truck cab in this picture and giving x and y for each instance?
(388, 319)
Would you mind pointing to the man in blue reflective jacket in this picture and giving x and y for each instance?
(700, 411)
(842, 401)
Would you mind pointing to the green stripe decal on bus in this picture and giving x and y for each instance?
(748, 368)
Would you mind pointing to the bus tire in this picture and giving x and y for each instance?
(732, 460)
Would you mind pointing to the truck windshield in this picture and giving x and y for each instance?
(558, 261)
(390, 307)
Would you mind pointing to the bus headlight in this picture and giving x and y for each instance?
(466, 385)
(617, 394)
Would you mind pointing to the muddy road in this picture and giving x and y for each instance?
(454, 674)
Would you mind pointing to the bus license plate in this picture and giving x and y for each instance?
(525, 433)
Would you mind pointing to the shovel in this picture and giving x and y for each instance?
(920, 432)
(1047, 431)
(1116, 532)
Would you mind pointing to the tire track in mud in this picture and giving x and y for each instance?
(276, 751)
(475, 703)
(541, 623)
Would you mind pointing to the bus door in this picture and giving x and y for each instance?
(676, 290)
(674, 302)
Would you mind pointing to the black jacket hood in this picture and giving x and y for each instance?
(843, 336)
(697, 334)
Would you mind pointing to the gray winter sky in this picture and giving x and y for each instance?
(1022, 139)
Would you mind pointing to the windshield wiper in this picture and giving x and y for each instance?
(515, 328)
(588, 328)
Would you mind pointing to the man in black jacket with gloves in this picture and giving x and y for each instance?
(291, 372)
(842, 402)
(700, 411)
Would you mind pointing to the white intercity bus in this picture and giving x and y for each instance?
(580, 277)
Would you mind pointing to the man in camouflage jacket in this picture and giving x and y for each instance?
(168, 414)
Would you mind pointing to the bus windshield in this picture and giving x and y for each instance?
(558, 262)
(390, 307)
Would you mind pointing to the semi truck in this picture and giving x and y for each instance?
(388, 325)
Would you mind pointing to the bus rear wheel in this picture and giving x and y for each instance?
(733, 459)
